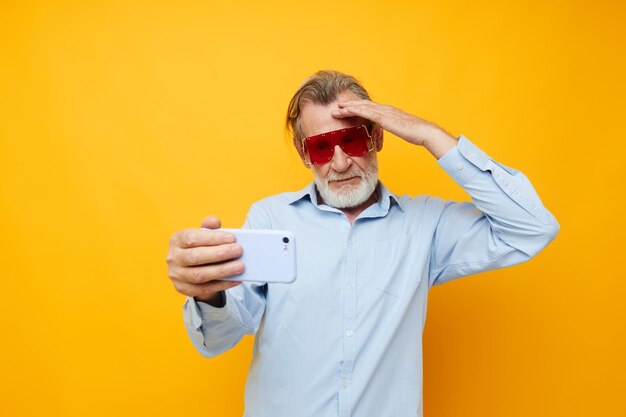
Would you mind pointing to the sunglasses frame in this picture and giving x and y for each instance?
(307, 158)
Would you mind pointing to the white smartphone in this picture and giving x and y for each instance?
(268, 255)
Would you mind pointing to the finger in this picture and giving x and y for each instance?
(360, 111)
(211, 222)
(205, 273)
(354, 102)
(203, 255)
(204, 290)
(190, 238)
(341, 113)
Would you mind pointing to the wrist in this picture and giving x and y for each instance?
(438, 142)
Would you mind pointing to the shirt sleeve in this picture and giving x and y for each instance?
(505, 224)
(214, 330)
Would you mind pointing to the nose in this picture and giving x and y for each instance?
(341, 162)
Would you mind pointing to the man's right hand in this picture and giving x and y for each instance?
(198, 259)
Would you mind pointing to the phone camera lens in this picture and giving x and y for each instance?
(286, 240)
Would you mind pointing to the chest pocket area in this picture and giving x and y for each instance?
(397, 268)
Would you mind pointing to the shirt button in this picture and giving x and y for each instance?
(350, 242)
(349, 333)
(350, 286)
(471, 154)
(459, 165)
(344, 383)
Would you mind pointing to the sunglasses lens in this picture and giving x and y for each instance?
(320, 149)
(354, 141)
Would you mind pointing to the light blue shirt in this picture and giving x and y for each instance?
(345, 339)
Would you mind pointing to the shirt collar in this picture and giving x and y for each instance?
(385, 201)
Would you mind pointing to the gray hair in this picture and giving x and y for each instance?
(323, 87)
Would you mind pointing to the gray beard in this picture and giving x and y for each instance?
(349, 196)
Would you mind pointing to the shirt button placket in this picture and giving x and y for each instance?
(349, 323)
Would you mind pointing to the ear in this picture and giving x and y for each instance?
(377, 136)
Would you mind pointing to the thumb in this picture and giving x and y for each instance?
(211, 222)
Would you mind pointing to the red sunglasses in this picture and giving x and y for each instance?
(354, 141)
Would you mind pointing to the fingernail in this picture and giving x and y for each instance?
(237, 267)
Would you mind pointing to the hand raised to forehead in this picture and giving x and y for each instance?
(404, 125)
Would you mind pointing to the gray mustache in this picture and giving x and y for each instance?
(344, 176)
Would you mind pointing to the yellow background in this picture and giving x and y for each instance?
(124, 121)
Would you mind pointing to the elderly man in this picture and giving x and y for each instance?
(345, 339)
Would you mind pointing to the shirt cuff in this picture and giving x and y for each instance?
(464, 161)
(202, 312)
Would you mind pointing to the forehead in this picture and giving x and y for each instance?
(316, 118)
